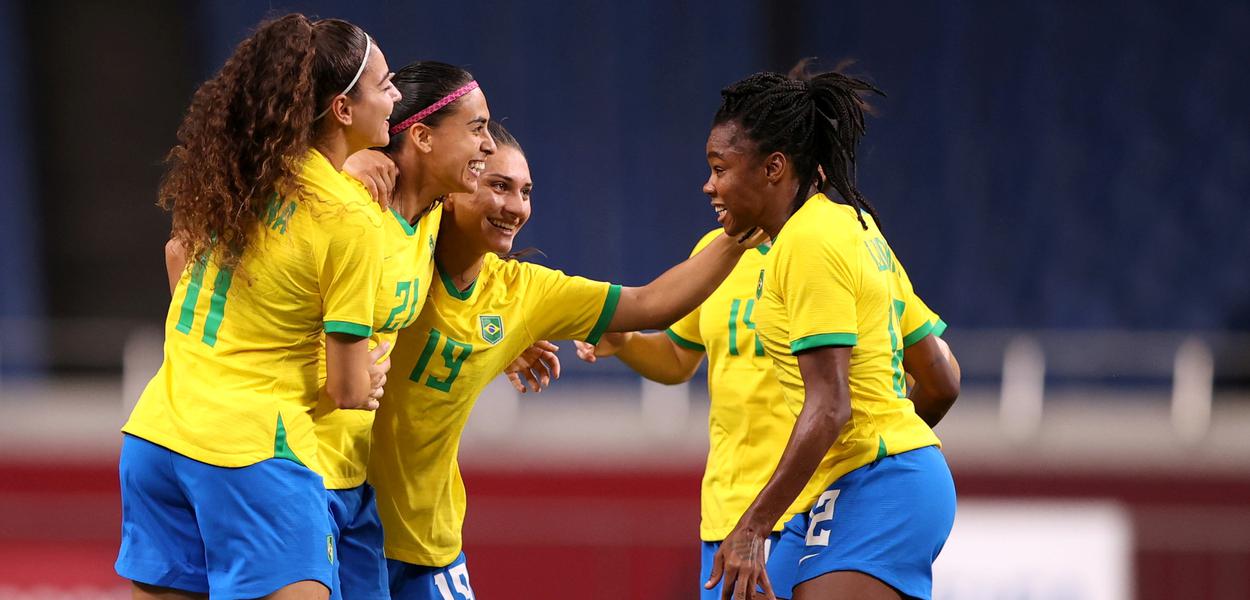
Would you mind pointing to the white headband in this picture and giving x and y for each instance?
(364, 61)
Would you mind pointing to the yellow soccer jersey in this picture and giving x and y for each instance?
(238, 384)
(459, 343)
(748, 422)
(829, 282)
(407, 269)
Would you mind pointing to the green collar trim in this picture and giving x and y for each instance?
(450, 285)
(408, 228)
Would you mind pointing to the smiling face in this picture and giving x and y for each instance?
(368, 105)
(490, 218)
(459, 144)
(738, 181)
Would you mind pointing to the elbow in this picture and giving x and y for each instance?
(175, 249)
(675, 378)
(938, 403)
(831, 421)
(948, 393)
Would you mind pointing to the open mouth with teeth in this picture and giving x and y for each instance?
(477, 167)
(508, 227)
(720, 212)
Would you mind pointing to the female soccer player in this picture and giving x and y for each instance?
(219, 491)
(482, 312)
(439, 143)
(832, 308)
(748, 422)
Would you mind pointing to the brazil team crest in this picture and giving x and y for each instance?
(492, 328)
(759, 288)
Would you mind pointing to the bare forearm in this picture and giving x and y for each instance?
(347, 370)
(932, 405)
(678, 291)
(933, 366)
(814, 433)
(656, 357)
(826, 409)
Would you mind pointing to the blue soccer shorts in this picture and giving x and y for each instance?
(888, 519)
(361, 567)
(417, 582)
(230, 532)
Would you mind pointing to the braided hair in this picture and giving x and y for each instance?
(816, 120)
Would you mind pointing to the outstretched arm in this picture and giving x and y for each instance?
(653, 355)
(680, 289)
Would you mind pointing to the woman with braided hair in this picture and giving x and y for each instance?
(834, 310)
(275, 248)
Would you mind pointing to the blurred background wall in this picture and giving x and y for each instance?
(1070, 180)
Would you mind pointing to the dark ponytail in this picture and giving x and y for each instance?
(816, 120)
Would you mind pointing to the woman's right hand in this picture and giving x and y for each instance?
(377, 374)
(376, 171)
(608, 345)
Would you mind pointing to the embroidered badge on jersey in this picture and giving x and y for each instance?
(759, 287)
(492, 328)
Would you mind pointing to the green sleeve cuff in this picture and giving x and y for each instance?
(683, 342)
(918, 334)
(823, 339)
(355, 329)
(605, 317)
(939, 328)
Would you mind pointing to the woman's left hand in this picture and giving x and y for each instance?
(538, 365)
(376, 171)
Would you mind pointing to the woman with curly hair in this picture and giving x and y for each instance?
(220, 493)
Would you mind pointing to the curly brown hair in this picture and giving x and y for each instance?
(248, 128)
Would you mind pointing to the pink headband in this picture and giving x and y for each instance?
(433, 108)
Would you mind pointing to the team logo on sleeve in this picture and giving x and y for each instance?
(759, 287)
(492, 328)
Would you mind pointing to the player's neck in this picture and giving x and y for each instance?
(413, 195)
(780, 209)
(334, 148)
(775, 216)
(410, 203)
(457, 258)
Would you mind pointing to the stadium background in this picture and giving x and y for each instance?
(1067, 182)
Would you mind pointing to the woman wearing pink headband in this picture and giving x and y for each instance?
(437, 145)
